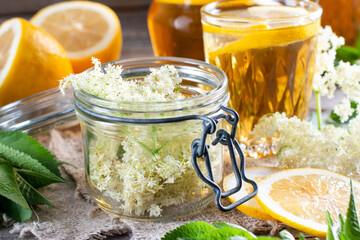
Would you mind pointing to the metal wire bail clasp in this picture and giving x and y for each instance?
(200, 149)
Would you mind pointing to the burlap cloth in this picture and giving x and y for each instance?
(75, 216)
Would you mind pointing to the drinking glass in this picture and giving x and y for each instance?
(267, 50)
(175, 28)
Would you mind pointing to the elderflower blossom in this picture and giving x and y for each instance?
(110, 85)
(299, 144)
(143, 168)
(328, 77)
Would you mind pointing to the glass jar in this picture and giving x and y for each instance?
(138, 154)
(175, 28)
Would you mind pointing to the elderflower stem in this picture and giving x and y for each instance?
(318, 109)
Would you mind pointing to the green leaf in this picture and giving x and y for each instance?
(23, 160)
(189, 231)
(347, 54)
(9, 187)
(31, 195)
(37, 180)
(231, 225)
(267, 238)
(15, 211)
(286, 235)
(226, 233)
(351, 225)
(25, 143)
(331, 232)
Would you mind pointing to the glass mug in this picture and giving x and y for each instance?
(175, 28)
(267, 50)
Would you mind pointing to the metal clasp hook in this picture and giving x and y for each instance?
(200, 149)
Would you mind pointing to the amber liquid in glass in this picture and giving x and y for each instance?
(269, 70)
(175, 29)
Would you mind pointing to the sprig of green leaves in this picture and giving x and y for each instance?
(24, 166)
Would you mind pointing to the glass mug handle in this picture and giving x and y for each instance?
(200, 149)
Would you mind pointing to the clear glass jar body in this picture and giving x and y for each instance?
(175, 28)
(143, 170)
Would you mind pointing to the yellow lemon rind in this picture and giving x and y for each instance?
(245, 208)
(107, 49)
(39, 63)
(309, 226)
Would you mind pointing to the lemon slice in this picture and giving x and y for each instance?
(251, 207)
(262, 34)
(85, 29)
(301, 197)
(31, 61)
(276, 12)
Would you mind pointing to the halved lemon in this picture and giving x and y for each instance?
(251, 207)
(31, 61)
(85, 29)
(301, 197)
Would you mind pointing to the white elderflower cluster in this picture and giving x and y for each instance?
(108, 83)
(150, 168)
(299, 144)
(328, 77)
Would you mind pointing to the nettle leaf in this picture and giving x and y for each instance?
(25, 143)
(244, 232)
(226, 233)
(189, 231)
(25, 161)
(37, 180)
(351, 225)
(15, 211)
(331, 232)
(31, 195)
(9, 188)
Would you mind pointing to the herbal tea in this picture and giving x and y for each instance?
(269, 63)
(175, 28)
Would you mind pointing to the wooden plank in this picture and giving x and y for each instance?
(30, 6)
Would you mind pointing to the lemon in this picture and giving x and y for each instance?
(260, 34)
(251, 207)
(301, 197)
(31, 61)
(85, 29)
